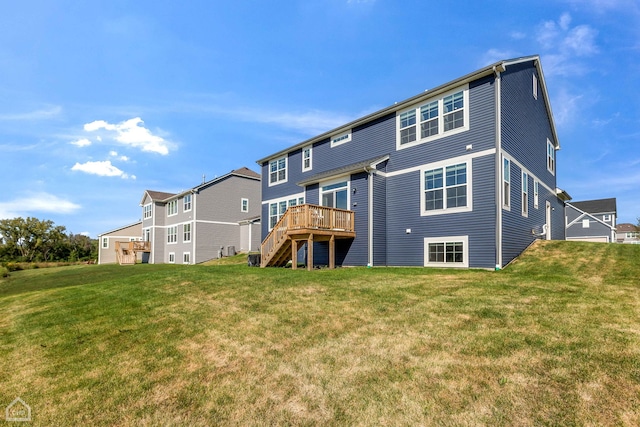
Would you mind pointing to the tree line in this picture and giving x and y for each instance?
(34, 240)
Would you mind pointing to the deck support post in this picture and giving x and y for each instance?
(332, 252)
(310, 252)
(294, 254)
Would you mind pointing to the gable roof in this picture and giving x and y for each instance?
(626, 227)
(159, 196)
(120, 228)
(497, 67)
(599, 206)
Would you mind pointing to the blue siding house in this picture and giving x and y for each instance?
(462, 175)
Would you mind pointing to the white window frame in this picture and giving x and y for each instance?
(244, 205)
(105, 243)
(147, 211)
(506, 183)
(282, 204)
(285, 160)
(172, 208)
(525, 194)
(186, 232)
(307, 158)
(333, 182)
(445, 209)
(172, 235)
(186, 203)
(186, 257)
(606, 217)
(551, 157)
(416, 111)
(535, 87)
(172, 257)
(536, 193)
(586, 223)
(340, 138)
(447, 240)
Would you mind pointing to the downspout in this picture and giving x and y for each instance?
(194, 234)
(370, 219)
(498, 163)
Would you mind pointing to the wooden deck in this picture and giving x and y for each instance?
(306, 223)
(126, 251)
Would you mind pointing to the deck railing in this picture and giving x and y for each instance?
(126, 251)
(305, 217)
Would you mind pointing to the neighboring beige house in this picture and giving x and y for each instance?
(216, 218)
(124, 235)
(628, 233)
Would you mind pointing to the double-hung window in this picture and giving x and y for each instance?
(445, 188)
(186, 232)
(244, 205)
(307, 157)
(525, 194)
(278, 171)
(551, 157)
(186, 203)
(172, 208)
(536, 193)
(186, 257)
(433, 119)
(147, 211)
(277, 208)
(172, 234)
(506, 183)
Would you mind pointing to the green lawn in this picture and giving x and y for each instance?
(554, 339)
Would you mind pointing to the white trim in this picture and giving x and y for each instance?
(144, 211)
(190, 202)
(171, 255)
(186, 254)
(552, 170)
(286, 171)
(441, 132)
(242, 200)
(445, 240)
(535, 86)
(505, 198)
(279, 199)
(524, 193)
(445, 210)
(169, 203)
(370, 217)
(343, 137)
(331, 182)
(190, 232)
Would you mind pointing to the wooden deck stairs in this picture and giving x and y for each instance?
(306, 224)
(126, 252)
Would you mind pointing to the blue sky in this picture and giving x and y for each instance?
(100, 101)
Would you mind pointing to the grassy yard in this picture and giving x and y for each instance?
(552, 340)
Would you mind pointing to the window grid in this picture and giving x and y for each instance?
(278, 171)
(525, 194)
(172, 234)
(551, 157)
(307, 153)
(450, 181)
(186, 232)
(535, 194)
(146, 211)
(186, 206)
(244, 205)
(172, 208)
(506, 179)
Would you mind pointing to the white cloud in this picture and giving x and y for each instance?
(33, 115)
(37, 203)
(83, 142)
(495, 55)
(132, 133)
(566, 106)
(104, 168)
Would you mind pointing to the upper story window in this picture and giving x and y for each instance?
(434, 119)
(307, 158)
(172, 208)
(445, 189)
(172, 234)
(244, 205)
(105, 242)
(340, 138)
(147, 211)
(551, 157)
(186, 206)
(525, 194)
(606, 218)
(506, 183)
(535, 87)
(536, 193)
(278, 171)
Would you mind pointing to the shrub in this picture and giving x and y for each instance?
(4, 272)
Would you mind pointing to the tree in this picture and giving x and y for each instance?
(27, 235)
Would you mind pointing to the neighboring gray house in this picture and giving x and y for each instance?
(627, 233)
(215, 218)
(591, 220)
(461, 175)
(124, 235)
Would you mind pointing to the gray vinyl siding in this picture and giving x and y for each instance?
(595, 229)
(407, 249)
(358, 251)
(221, 201)
(123, 235)
(526, 127)
(214, 237)
(379, 220)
